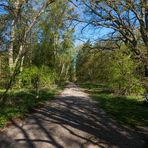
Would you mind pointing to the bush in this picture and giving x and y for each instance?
(28, 76)
(33, 75)
(116, 69)
(47, 76)
(123, 78)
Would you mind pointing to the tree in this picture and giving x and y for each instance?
(18, 30)
(129, 18)
(56, 38)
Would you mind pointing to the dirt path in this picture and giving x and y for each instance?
(70, 121)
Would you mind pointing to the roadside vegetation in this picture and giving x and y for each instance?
(116, 81)
(21, 102)
(127, 110)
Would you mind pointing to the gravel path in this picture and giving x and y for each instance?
(70, 121)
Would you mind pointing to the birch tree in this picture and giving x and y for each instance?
(16, 8)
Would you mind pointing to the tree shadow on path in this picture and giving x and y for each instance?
(74, 122)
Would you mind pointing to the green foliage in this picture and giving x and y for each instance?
(47, 76)
(44, 75)
(123, 78)
(4, 70)
(116, 69)
(3, 121)
(48, 48)
(28, 75)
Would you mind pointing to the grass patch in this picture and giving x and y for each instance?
(20, 102)
(128, 110)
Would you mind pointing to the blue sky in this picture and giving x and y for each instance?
(1, 8)
(89, 33)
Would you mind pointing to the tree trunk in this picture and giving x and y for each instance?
(10, 50)
(146, 15)
(19, 55)
(144, 23)
(146, 70)
(12, 36)
(21, 69)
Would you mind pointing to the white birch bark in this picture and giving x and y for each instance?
(12, 37)
(10, 50)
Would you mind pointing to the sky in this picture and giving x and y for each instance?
(1, 8)
(89, 34)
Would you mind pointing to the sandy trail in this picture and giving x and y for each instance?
(72, 120)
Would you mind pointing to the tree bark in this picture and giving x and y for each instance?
(146, 22)
(146, 14)
(10, 50)
(21, 69)
(12, 36)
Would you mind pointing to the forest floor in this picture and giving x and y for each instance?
(71, 120)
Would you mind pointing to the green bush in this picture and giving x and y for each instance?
(47, 76)
(3, 121)
(115, 68)
(43, 75)
(122, 76)
(28, 75)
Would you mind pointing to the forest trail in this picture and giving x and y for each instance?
(72, 120)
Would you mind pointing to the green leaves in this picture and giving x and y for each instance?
(45, 75)
(116, 69)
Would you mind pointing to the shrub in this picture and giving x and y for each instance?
(43, 75)
(123, 78)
